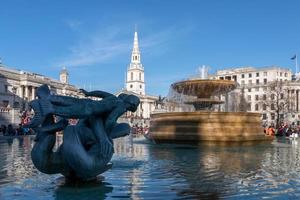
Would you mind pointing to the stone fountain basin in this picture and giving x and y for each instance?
(203, 88)
(206, 126)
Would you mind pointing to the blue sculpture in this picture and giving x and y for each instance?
(87, 147)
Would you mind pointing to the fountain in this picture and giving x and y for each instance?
(205, 124)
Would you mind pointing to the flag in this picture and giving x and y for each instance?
(294, 57)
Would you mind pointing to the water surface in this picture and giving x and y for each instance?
(143, 170)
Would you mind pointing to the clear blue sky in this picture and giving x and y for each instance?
(93, 39)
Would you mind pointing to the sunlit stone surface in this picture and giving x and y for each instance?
(143, 170)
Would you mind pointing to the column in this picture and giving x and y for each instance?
(33, 93)
(26, 92)
(297, 100)
(21, 92)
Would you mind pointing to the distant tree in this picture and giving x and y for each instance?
(277, 100)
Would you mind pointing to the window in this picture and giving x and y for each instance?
(257, 89)
(264, 97)
(257, 81)
(221, 78)
(131, 86)
(140, 76)
(243, 75)
(243, 82)
(264, 107)
(131, 75)
(5, 103)
(249, 89)
(5, 88)
(264, 116)
(250, 82)
(250, 75)
(256, 97)
(272, 116)
(141, 86)
(256, 107)
(272, 106)
(257, 74)
(265, 73)
(281, 95)
(272, 96)
(280, 73)
(249, 97)
(265, 81)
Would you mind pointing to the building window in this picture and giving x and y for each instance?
(257, 74)
(272, 96)
(250, 75)
(249, 89)
(243, 75)
(256, 97)
(272, 106)
(140, 76)
(5, 88)
(250, 82)
(249, 97)
(264, 116)
(257, 89)
(280, 73)
(264, 97)
(221, 78)
(272, 116)
(265, 81)
(285, 74)
(281, 95)
(141, 86)
(5, 103)
(265, 73)
(243, 82)
(264, 107)
(131, 75)
(257, 81)
(234, 78)
(256, 107)
(131, 86)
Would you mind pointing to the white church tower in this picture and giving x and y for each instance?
(135, 81)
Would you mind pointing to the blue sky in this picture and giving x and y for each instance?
(93, 39)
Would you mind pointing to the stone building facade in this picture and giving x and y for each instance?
(18, 87)
(271, 91)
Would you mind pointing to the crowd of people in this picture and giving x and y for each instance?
(10, 130)
(285, 129)
(139, 130)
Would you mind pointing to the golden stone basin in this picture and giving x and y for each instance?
(199, 126)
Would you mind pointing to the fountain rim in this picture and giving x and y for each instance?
(195, 113)
(219, 81)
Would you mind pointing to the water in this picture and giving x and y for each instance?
(146, 171)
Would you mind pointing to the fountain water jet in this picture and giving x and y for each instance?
(205, 124)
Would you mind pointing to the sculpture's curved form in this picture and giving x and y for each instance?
(87, 147)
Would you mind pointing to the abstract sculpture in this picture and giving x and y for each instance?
(87, 147)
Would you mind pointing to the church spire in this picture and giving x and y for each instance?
(135, 55)
(135, 81)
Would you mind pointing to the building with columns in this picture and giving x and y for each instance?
(271, 91)
(135, 84)
(18, 87)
